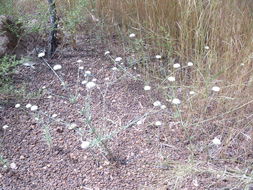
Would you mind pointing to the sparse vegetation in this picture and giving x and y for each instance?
(179, 75)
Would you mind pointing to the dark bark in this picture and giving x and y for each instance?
(52, 41)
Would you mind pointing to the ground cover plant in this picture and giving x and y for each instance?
(147, 95)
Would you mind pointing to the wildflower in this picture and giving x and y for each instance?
(43, 87)
(147, 87)
(79, 61)
(158, 123)
(85, 144)
(17, 105)
(158, 56)
(176, 65)
(139, 122)
(157, 103)
(176, 101)
(90, 85)
(28, 105)
(163, 107)
(13, 166)
(107, 52)
(87, 73)
(107, 78)
(34, 108)
(216, 141)
(5, 127)
(207, 47)
(190, 64)
(191, 92)
(81, 68)
(49, 97)
(57, 67)
(94, 80)
(131, 35)
(42, 54)
(216, 89)
(84, 81)
(171, 79)
(118, 59)
(114, 68)
(54, 115)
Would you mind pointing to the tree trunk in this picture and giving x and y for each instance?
(52, 41)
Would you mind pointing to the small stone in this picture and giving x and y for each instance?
(21, 157)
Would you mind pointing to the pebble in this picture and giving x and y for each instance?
(21, 157)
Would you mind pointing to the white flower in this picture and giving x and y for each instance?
(139, 122)
(195, 183)
(54, 115)
(207, 47)
(176, 65)
(107, 78)
(216, 141)
(191, 92)
(171, 79)
(79, 61)
(34, 108)
(57, 67)
(28, 105)
(176, 101)
(114, 68)
(17, 105)
(85, 144)
(87, 73)
(13, 166)
(118, 59)
(107, 52)
(84, 81)
(43, 87)
(158, 56)
(81, 68)
(163, 107)
(216, 89)
(5, 127)
(94, 80)
(147, 87)
(190, 64)
(157, 103)
(90, 85)
(131, 35)
(158, 123)
(42, 54)
(49, 97)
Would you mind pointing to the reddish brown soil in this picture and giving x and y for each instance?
(138, 151)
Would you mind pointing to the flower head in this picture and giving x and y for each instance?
(42, 54)
(114, 68)
(85, 144)
(176, 65)
(13, 166)
(158, 56)
(118, 59)
(106, 53)
(28, 105)
(157, 103)
(87, 73)
(5, 127)
(171, 79)
(79, 61)
(191, 92)
(163, 107)
(57, 67)
(176, 101)
(190, 64)
(132, 35)
(158, 123)
(17, 105)
(146, 88)
(90, 85)
(207, 47)
(84, 82)
(34, 108)
(54, 115)
(216, 141)
(81, 68)
(216, 89)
